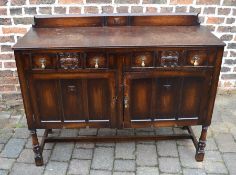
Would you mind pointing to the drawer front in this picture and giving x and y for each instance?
(44, 61)
(117, 20)
(143, 59)
(96, 60)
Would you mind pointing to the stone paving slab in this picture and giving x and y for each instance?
(124, 158)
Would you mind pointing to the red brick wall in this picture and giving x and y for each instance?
(16, 17)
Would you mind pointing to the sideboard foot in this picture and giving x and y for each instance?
(201, 145)
(36, 148)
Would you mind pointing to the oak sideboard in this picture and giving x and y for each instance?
(118, 71)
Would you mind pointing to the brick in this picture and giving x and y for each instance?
(99, 2)
(182, 2)
(107, 9)
(82, 154)
(124, 165)
(225, 69)
(127, 1)
(25, 20)
(232, 53)
(6, 73)
(215, 167)
(229, 2)
(5, 21)
(21, 133)
(215, 20)
(122, 9)
(103, 158)
(45, 10)
(226, 142)
(3, 11)
(123, 173)
(7, 88)
(147, 170)
(167, 148)
(13, 148)
(79, 167)
(9, 64)
(22, 169)
(165, 163)
(59, 10)
(151, 9)
(224, 11)
(180, 9)
(208, 2)
(5, 39)
(146, 155)
(14, 30)
(18, 2)
(56, 168)
(6, 48)
(100, 172)
(90, 9)
(125, 150)
(16, 11)
(209, 10)
(70, 1)
(62, 151)
(6, 163)
(85, 145)
(38, 2)
(195, 9)
(3, 2)
(189, 171)
(226, 37)
(230, 20)
(230, 159)
(231, 46)
(233, 29)
(166, 9)
(4, 172)
(136, 9)
(214, 156)
(30, 10)
(75, 10)
(154, 1)
(224, 29)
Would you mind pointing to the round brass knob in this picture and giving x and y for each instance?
(195, 60)
(143, 61)
(96, 63)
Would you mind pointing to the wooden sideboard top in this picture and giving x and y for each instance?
(134, 34)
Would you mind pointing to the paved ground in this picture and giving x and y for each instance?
(141, 158)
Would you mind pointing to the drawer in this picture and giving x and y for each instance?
(69, 61)
(143, 59)
(96, 60)
(44, 61)
(197, 58)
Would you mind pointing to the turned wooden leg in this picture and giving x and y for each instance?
(201, 145)
(36, 148)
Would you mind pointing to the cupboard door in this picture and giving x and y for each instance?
(161, 96)
(87, 98)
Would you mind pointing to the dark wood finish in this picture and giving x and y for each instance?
(118, 71)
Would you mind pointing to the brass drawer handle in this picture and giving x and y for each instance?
(96, 63)
(143, 58)
(43, 63)
(195, 60)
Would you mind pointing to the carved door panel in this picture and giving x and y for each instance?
(45, 100)
(161, 96)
